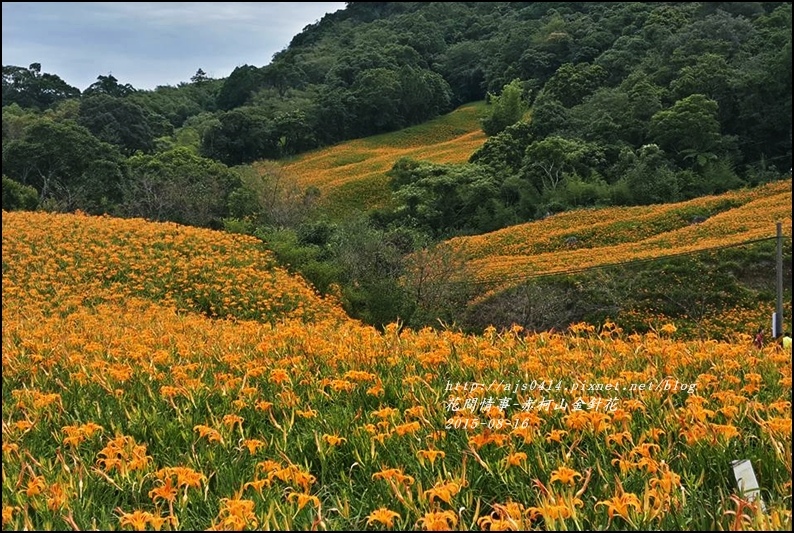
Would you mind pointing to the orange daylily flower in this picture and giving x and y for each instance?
(205, 431)
(619, 438)
(303, 499)
(334, 440)
(555, 435)
(253, 445)
(8, 513)
(166, 492)
(230, 420)
(384, 516)
(439, 521)
(395, 474)
(407, 428)
(430, 455)
(237, 513)
(621, 504)
(564, 475)
(279, 376)
(385, 412)
(138, 520)
(308, 413)
(443, 491)
(515, 459)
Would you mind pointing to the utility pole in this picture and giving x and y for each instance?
(778, 329)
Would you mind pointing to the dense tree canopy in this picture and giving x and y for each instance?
(66, 165)
(28, 87)
(585, 99)
(122, 122)
(180, 186)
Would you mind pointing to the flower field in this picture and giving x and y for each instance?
(353, 174)
(585, 238)
(162, 377)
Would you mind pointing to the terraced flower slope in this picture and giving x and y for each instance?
(591, 237)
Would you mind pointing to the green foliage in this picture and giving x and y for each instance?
(716, 176)
(18, 196)
(15, 120)
(357, 262)
(688, 128)
(651, 180)
(443, 200)
(549, 116)
(605, 116)
(549, 162)
(506, 108)
(504, 152)
(294, 133)
(193, 130)
(110, 86)
(268, 196)
(423, 95)
(463, 68)
(69, 167)
(239, 87)
(580, 193)
(28, 87)
(372, 262)
(240, 136)
(121, 122)
(179, 186)
(178, 104)
(572, 83)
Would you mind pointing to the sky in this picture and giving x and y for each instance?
(147, 44)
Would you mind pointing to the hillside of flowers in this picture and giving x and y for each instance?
(354, 172)
(586, 238)
(66, 261)
(589, 237)
(159, 377)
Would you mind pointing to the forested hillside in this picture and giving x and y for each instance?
(584, 105)
(436, 266)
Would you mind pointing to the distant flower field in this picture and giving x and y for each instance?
(588, 237)
(353, 173)
(583, 239)
(170, 378)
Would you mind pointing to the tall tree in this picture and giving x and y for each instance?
(506, 108)
(66, 165)
(121, 122)
(110, 86)
(239, 87)
(572, 83)
(179, 186)
(550, 161)
(689, 129)
(240, 136)
(650, 179)
(28, 87)
(199, 77)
